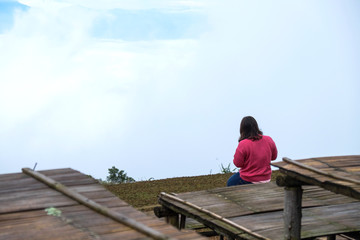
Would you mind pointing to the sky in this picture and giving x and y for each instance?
(158, 88)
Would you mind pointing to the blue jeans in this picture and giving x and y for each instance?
(236, 180)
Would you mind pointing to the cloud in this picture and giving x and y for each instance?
(292, 66)
(65, 96)
(164, 107)
(7, 10)
(127, 5)
(135, 25)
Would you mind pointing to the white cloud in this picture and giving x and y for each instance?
(121, 4)
(63, 93)
(69, 100)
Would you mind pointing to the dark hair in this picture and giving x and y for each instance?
(249, 129)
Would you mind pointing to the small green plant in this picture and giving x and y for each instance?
(118, 176)
(226, 169)
(53, 211)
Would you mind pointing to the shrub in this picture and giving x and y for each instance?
(226, 169)
(118, 176)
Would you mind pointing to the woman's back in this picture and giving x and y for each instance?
(253, 154)
(253, 158)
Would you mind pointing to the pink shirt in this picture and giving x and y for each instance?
(253, 158)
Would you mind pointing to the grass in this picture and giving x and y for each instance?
(143, 195)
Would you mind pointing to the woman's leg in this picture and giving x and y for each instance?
(236, 180)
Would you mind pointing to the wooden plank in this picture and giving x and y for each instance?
(203, 218)
(46, 227)
(218, 204)
(96, 207)
(243, 200)
(26, 204)
(27, 184)
(346, 177)
(221, 224)
(337, 163)
(304, 166)
(123, 235)
(316, 221)
(12, 176)
(346, 188)
(27, 194)
(54, 172)
(25, 200)
(271, 202)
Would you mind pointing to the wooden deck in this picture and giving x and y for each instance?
(256, 211)
(30, 209)
(340, 174)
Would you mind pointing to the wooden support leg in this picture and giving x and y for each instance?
(182, 221)
(292, 213)
(173, 219)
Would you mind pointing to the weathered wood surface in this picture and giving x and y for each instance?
(259, 208)
(292, 212)
(316, 221)
(340, 174)
(99, 208)
(23, 201)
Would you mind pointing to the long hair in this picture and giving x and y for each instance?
(249, 129)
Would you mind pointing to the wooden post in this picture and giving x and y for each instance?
(173, 219)
(171, 216)
(292, 213)
(182, 221)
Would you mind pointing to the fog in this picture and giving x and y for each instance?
(80, 87)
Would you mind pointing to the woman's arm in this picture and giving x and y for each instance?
(273, 147)
(239, 156)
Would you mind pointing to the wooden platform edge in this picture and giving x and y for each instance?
(330, 186)
(97, 207)
(318, 171)
(239, 230)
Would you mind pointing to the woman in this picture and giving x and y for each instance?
(253, 155)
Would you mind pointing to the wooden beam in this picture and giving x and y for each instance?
(292, 213)
(287, 181)
(224, 229)
(162, 211)
(171, 216)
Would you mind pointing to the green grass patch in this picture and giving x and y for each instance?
(143, 195)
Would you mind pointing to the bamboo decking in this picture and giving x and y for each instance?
(259, 209)
(256, 211)
(31, 209)
(337, 174)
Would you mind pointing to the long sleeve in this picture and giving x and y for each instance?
(274, 151)
(239, 156)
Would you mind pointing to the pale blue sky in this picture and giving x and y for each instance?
(158, 88)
